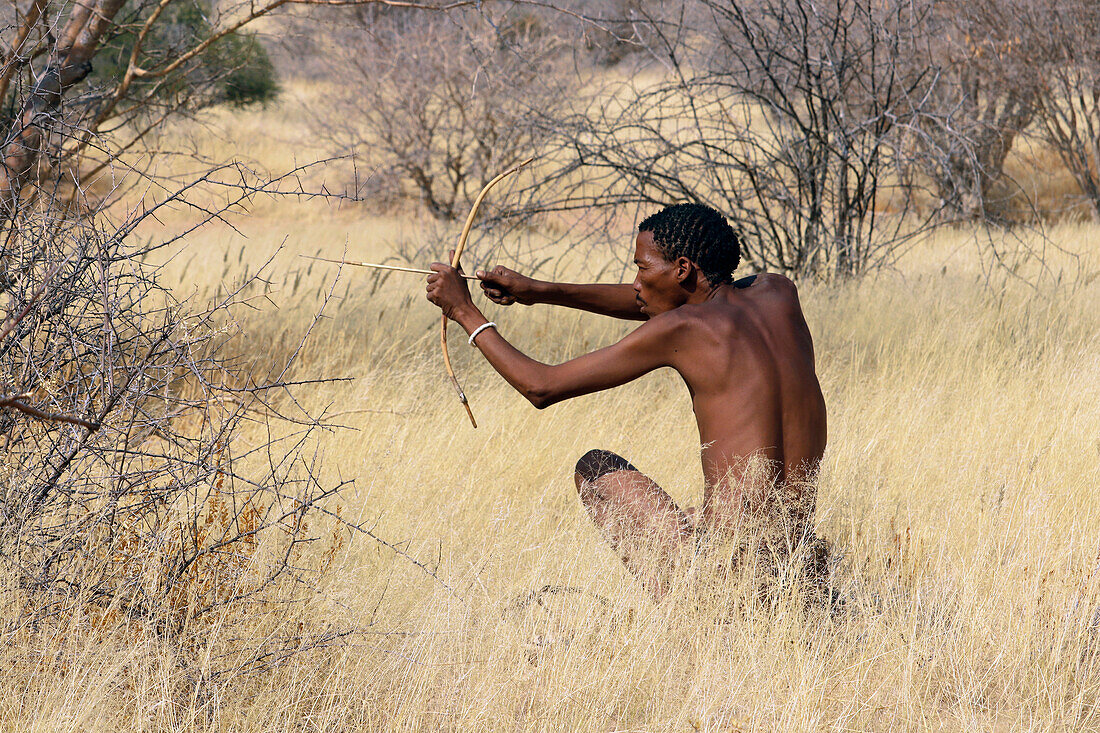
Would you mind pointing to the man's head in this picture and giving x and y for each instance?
(683, 250)
(699, 233)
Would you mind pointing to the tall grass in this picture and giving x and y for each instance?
(959, 488)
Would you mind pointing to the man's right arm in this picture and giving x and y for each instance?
(504, 287)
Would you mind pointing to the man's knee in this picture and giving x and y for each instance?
(597, 463)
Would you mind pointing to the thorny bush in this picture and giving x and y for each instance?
(129, 494)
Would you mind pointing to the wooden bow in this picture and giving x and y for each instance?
(454, 263)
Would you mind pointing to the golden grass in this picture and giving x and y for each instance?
(959, 487)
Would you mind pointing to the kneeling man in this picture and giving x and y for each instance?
(742, 348)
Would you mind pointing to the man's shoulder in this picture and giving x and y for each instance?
(669, 328)
(774, 281)
(694, 318)
(773, 293)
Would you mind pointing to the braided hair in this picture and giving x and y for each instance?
(699, 233)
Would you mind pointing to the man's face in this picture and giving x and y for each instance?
(657, 286)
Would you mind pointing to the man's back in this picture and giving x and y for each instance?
(749, 366)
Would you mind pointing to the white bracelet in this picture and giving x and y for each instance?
(478, 330)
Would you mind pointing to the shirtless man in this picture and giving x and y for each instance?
(742, 348)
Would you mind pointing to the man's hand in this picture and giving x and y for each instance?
(447, 289)
(504, 286)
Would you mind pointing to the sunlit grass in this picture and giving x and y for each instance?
(959, 488)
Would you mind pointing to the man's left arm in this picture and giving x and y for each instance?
(648, 347)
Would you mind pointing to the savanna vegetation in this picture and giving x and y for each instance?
(236, 489)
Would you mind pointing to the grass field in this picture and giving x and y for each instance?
(959, 487)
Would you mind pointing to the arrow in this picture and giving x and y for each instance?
(395, 268)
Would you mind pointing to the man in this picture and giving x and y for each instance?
(745, 353)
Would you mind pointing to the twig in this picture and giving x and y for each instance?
(18, 318)
(14, 402)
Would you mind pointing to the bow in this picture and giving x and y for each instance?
(454, 263)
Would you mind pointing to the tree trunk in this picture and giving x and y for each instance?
(70, 62)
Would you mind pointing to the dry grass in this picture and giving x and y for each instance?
(959, 486)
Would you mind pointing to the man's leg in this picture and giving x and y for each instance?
(641, 521)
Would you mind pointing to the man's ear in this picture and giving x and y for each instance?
(684, 268)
